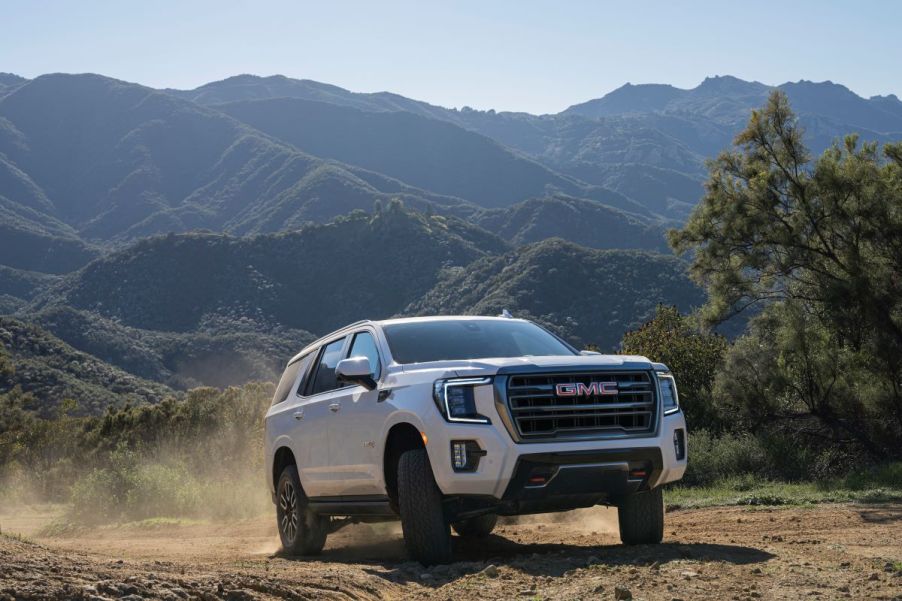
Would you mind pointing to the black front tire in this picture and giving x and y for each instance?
(426, 530)
(641, 517)
(478, 527)
(302, 531)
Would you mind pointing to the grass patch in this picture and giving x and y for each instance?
(16, 537)
(745, 490)
(68, 527)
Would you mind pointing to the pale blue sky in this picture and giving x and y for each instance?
(537, 56)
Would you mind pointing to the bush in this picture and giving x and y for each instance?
(131, 488)
(713, 458)
(886, 476)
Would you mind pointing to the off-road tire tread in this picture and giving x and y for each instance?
(427, 533)
(641, 517)
(478, 527)
(312, 541)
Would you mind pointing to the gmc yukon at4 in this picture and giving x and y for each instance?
(449, 422)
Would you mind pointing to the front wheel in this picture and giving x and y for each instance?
(426, 531)
(478, 527)
(302, 531)
(641, 517)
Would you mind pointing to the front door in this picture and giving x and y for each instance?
(319, 395)
(356, 426)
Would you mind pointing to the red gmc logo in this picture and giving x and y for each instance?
(591, 389)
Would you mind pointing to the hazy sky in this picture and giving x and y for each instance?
(508, 55)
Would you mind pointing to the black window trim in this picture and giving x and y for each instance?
(345, 350)
(301, 381)
(371, 332)
(319, 355)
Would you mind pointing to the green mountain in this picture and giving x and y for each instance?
(587, 296)
(55, 372)
(317, 279)
(582, 221)
(101, 160)
(254, 87)
(428, 153)
(636, 140)
(218, 353)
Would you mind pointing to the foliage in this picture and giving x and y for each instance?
(299, 281)
(586, 295)
(820, 245)
(50, 371)
(693, 357)
(196, 456)
(224, 351)
(752, 490)
(577, 220)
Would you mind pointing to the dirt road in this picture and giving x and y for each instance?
(824, 552)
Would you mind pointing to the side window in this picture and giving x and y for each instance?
(324, 379)
(365, 346)
(288, 378)
(304, 368)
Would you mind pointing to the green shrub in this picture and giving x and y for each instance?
(713, 458)
(888, 476)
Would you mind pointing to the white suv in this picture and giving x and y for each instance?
(452, 421)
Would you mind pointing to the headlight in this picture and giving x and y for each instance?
(456, 401)
(670, 400)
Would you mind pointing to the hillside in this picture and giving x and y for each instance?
(254, 87)
(428, 153)
(581, 221)
(54, 372)
(316, 279)
(637, 140)
(218, 353)
(101, 159)
(587, 296)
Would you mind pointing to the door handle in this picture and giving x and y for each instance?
(299, 414)
(334, 407)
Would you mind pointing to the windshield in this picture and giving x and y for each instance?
(449, 339)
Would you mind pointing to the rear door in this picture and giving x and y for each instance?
(293, 419)
(357, 424)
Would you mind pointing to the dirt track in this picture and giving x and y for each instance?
(826, 552)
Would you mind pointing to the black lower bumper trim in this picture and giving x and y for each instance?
(566, 480)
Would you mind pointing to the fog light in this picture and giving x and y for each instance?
(465, 455)
(679, 444)
(460, 455)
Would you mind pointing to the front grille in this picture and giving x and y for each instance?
(538, 411)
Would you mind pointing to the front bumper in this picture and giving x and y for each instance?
(596, 469)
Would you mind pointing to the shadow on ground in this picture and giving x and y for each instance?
(881, 515)
(535, 559)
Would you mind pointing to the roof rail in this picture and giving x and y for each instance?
(351, 325)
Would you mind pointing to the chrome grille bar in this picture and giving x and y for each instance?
(539, 412)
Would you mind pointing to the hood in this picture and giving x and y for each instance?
(490, 367)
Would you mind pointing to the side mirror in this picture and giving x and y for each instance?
(355, 370)
(589, 353)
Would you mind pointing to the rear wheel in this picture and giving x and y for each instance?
(302, 531)
(426, 531)
(641, 517)
(478, 527)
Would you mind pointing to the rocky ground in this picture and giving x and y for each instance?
(822, 552)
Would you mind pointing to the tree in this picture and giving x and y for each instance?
(692, 355)
(822, 239)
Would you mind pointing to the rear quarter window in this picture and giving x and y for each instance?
(286, 382)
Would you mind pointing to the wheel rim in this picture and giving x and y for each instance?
(288, 503)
